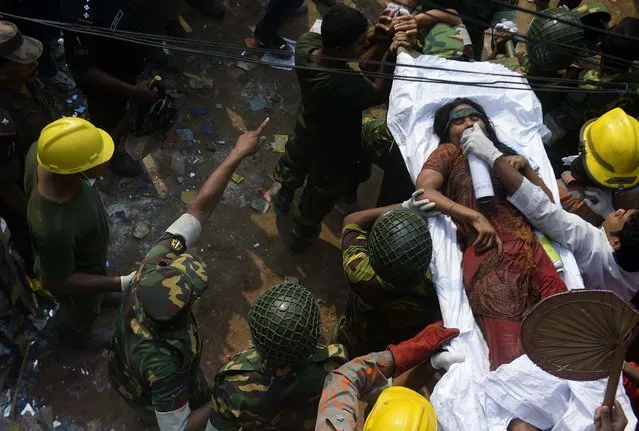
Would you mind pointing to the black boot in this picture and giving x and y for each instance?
(124, 166)
(208, 7)
(272, 40)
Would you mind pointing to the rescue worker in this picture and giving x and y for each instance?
(325, 148)
(276, 384)
(583, 189)
(69, 227)
(606, 257)
(386, 253)
(435, 32)
(566, 115)
(154, 358)
(365, 377)
(24, 115)
(106, 69)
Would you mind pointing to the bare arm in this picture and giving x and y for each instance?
(366, 218)
(82, 283)
(431, 181)
(199, 418)
(436, 16)
(212, 190)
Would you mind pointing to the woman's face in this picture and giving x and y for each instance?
(458, 126)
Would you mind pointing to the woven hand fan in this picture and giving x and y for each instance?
(581, 335)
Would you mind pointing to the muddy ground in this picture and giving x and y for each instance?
(243, 248)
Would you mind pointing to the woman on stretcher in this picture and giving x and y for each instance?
(506, 271)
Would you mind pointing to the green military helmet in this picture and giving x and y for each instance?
(285, 323)
(553, 45)
(400, 248)
(166, 286)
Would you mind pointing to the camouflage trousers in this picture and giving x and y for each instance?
(140, 400)
(324, 186)
(77, 313)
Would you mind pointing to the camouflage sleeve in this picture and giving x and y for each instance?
(222, 416)
(168, 246)
(165, 375)
(344, 387)
(354, 255)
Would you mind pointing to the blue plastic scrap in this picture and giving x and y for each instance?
(257, 104)
(207, 129)
(199, 111)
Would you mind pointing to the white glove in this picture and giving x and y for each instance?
(125, 281)
(474, 141)
(569, 160)
(422, 207)
(506, 25)
(599, 201)
(443, 360)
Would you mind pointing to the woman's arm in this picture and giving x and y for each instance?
(431, 181)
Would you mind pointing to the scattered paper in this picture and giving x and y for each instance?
(281, 63)
(188, 197)
(280, 143)
(317, 27)
(260, 205)
(237, 178)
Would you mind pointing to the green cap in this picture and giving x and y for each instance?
(16, 47)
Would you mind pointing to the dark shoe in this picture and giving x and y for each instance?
(98, 338)
(124, 166)
(281, 204)
(112, 299)
(208, 7)
(273, 41)
(298, 244)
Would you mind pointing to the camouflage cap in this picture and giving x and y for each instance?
(16, 47)
(168, 283)
(593, 7)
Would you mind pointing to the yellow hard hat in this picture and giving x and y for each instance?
(611, 148)
(400, 409)
(71, 145)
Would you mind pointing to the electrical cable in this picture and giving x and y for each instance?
(623, 87)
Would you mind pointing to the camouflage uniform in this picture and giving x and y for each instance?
(156, 368)
(249, 394)
(375, 315)
(444, 41)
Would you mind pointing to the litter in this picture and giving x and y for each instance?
(121, 214)
(27, 409)
(206, 129)
(68, 101)
(220, 142)
(180, 179)
(219, 106)
(185, 134)
(291, 279)
(188, 197)
(199, 111)
(243, 202)
(260, 205)
(74, 97)
(57, 424)
(257, 105)
(191, 174)
(245, 65)
(280, 143)
(237, 178)
(80, 109)
(256, 245)
(141, 230)
(198, 82)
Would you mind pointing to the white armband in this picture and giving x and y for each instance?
(188, 227)
(175, 420)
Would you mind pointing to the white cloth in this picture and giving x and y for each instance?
(589, 244)
(188, 227)
(465, 397)
(175, 420)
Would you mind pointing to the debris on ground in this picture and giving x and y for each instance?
(260, 205)
(257, 105)
(198, 82)
(280, 143)
(188, 196)
(178, 165)
(237, 178)
(199, 111)
(185, 134)
(206, 129)
(141, 230)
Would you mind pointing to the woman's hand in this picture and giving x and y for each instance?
(518, 162)
(487, 237)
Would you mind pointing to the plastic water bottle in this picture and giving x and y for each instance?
(482, 183)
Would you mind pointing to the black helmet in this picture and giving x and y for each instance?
(285, 323)
(553, 45)
(400, 248)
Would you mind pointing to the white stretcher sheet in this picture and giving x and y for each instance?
(469, 396)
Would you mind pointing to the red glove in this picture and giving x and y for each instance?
(411, 353)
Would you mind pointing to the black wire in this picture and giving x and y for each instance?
(114, 35)
(580, 25)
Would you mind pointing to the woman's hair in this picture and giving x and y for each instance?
(443, 114)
